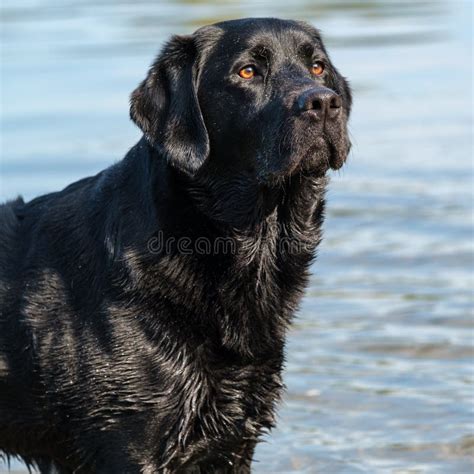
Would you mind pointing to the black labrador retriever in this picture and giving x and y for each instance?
(144, 309)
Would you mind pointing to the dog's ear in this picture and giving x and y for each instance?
(165, 106)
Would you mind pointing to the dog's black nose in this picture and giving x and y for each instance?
(321, 101)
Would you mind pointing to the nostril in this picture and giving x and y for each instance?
(335, 102)
(316, 104)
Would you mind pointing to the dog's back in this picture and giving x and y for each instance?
(9, 225)
(58, 261)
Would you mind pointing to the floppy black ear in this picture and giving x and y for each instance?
(166, 108)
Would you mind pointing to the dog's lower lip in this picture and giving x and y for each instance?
(335, 160)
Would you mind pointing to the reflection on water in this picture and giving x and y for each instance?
(379, 370)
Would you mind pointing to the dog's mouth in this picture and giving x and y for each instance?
(329, 144)
(314, 154)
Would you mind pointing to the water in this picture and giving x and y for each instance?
(380, 360)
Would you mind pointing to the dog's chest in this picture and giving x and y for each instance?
(219, 405)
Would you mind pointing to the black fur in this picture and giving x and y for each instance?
(119, 354)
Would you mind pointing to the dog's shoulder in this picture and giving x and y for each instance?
(10, 222)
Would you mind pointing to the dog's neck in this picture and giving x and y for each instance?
(271, 242)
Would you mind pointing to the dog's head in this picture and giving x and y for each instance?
(255, 96)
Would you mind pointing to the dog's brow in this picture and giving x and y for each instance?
(306, 49)
(261, 51)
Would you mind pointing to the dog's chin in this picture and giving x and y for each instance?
(321, 156)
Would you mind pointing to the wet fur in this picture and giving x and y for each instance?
(115, 358)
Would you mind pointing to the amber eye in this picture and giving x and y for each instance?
(247, 72)
(317, 68)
